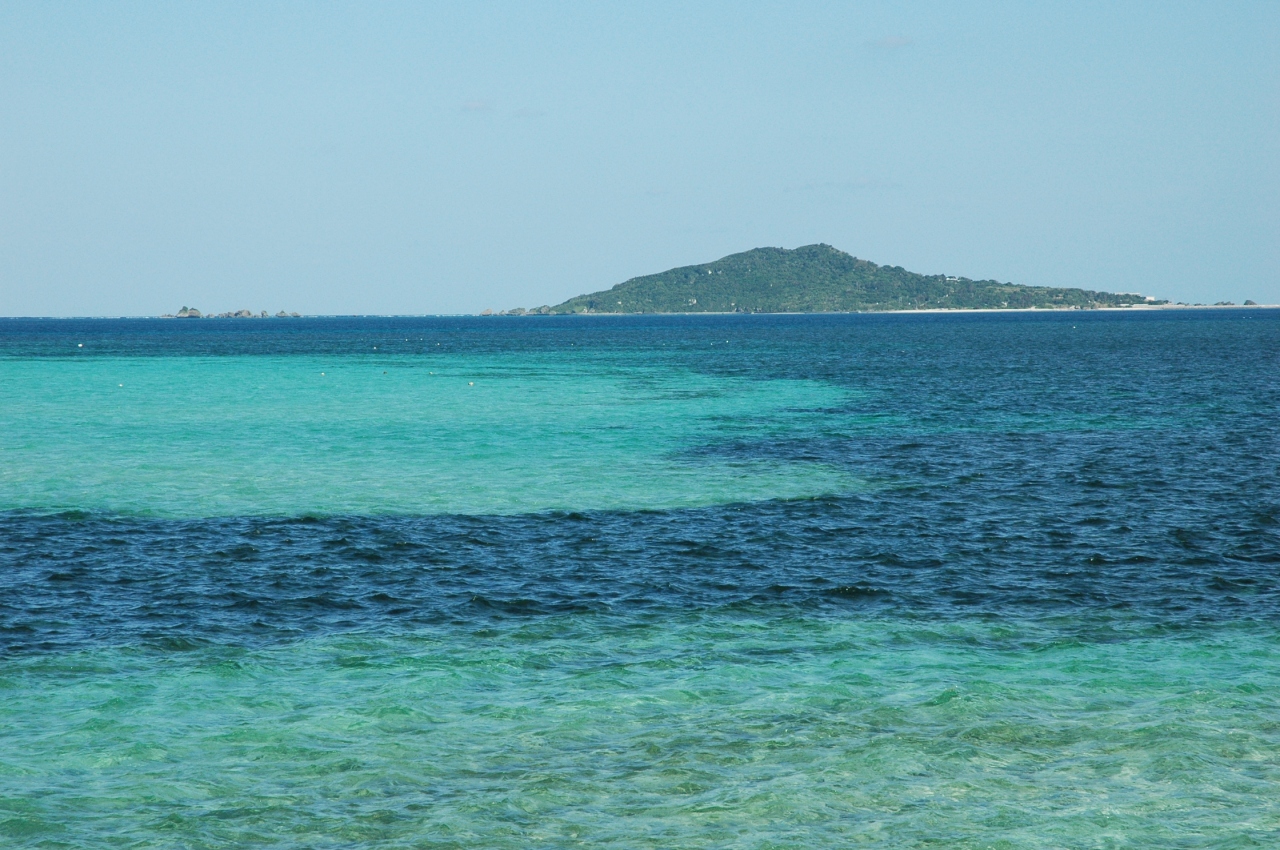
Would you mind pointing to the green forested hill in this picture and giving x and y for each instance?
(818, 278)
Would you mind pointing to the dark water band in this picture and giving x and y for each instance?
(76, 579)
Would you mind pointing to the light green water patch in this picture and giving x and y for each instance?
(714, 731)
(461, 434)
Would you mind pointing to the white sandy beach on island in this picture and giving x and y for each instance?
(1129, 308)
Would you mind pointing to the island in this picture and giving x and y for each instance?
(821, 279)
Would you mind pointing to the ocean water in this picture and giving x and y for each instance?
(977, 581)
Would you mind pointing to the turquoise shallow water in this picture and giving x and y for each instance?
(476, 434)
(703, 731)
(763, 582)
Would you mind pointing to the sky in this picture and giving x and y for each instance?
(332, 158)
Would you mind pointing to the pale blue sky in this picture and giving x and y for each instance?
(423, 158)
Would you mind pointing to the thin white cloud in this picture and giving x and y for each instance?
(891, 42)
(843, 186)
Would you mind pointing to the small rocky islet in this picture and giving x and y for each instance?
(193, 313)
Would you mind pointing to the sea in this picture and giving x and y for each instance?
(969, 580)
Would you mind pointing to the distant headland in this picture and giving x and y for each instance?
(820, 279)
